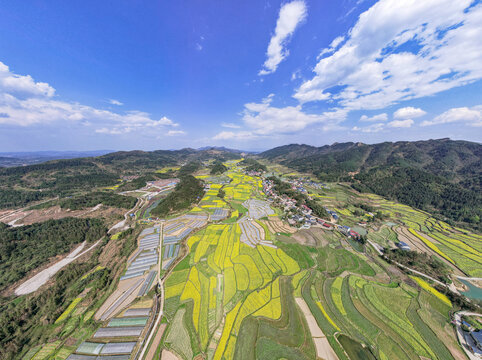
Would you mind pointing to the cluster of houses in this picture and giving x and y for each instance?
(300, 184)
(473, 337)
(333, 214)
(303, 214)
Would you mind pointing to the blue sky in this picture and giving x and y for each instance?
(252, 75)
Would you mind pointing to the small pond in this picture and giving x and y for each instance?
(474, 292)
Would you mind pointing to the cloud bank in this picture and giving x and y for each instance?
(25, 102)
(290, 16)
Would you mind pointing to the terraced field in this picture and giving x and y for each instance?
(239, 283)
(458, 247)
(235, 299)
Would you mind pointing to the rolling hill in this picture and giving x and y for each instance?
(442, 176)
(23, 184)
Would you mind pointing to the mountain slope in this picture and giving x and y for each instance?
(24, 184)
(456, 161)
(441, 176)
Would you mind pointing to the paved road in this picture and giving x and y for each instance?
(377, 249)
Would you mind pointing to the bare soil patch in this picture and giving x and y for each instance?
(275, 225)
(155, 345)
(311, 237)
(168, 355)
(28, 217)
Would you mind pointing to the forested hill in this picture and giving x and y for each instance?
(442, 176)
(24, 184)
(456, 161)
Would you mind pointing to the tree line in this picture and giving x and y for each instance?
(28, 247)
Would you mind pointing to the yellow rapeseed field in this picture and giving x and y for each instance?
(426, 286)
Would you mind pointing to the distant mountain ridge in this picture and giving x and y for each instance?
(222, 148)
(457, 161)
(441, 176)
(21, 185)
(21, 158)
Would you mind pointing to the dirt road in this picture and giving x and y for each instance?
(42, 277)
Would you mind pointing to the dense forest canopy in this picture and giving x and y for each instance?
(423, 190)
(441, 176)
(188, 191)
(218, 168)
(25, 248)
(22, 185)
(252, 165)
(99, 197)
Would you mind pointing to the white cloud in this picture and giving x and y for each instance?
(239, 135)
(22, 84)
(290, 16)
(333, 46)
(24, 102)
(408, 113)
(374, 128)
(115, 102)
(262, 120)
(265, 119)
(469, 116)
(401, 123)
(296, 75)
(400, 50)
(379, 117)
(114, 130)
(175, 132)
(230, 125)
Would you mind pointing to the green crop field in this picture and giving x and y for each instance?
(294, 296)
(238, 301)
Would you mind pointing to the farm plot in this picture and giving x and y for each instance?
(461, 248)
(391, 316)
(242, 187)
(219, 214)
(323, 348)
(175, 231)
(146, 256)
(252, 233)
(268, 337)
(364, 311)
(258, 208)
(275, 225)
(231, 298)
(218, 285)
(116, 337)
(135, 282)
(46, 351)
